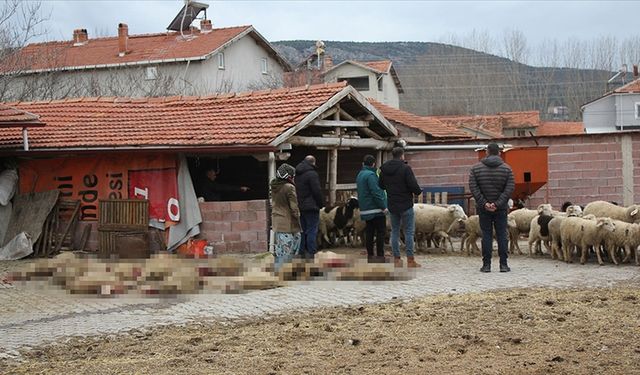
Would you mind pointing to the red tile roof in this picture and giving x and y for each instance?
(428, 125)
(521, 119)
(143, 48)
(13, 117)
(381, 66)
(254, 118)
(488, 125)
(631, 87)
(560, 128)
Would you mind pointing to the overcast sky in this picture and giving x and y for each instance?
(361, 20)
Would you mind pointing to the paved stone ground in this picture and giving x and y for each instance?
(35, 316)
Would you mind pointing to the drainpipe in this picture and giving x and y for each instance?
(271, 165)
(25, 139)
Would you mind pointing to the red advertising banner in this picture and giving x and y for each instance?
(134, 176)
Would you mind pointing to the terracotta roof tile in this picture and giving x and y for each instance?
(560, 128)
(255, 119)
(489, 125)
(104, 51)
(382, 66)
(14, 117)
(631, 87)
(522, 119)
(428, 125)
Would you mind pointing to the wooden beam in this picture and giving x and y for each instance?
(341, 124)
(371, 133)
(328, 113)
(341, 142)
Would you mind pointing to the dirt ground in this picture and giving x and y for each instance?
(526, 331)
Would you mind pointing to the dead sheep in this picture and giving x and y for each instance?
(627, 237)
(539, 232)
(436, 220)
(576, 231)
(629, 214)
(523, 218)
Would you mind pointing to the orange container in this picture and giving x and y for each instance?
(530, 167)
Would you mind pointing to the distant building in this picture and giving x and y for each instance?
(191, 62)
(616, 110)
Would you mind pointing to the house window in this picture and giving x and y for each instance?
(221, 60)
(521, 133)
(358, 83)
(380, 79)
(637, 110)
(264, 66)
(151, 73)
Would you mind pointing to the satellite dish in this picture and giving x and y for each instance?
(187, 14)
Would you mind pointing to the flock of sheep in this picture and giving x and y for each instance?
(602, 227)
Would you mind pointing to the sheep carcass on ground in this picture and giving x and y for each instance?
(576, 231)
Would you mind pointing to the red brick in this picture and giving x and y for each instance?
(220, 206)
(258, 246)
(231, 237)
(220, 247)
(249, 236)
(230, 216)
(239, 226)
(238, 247)
(257, 205)
(258, 225)
(249, 216)
(221, 227)
(212, 216)
(238, 206)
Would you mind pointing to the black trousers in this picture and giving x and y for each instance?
(378, 227)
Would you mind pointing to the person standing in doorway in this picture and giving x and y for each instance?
(285, 216)
(398, 180)
(310, 201)
(373, 207)
(491, 183)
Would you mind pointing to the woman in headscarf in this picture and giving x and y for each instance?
(285, 216)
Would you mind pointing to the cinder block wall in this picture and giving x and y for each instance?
(235, 227)
(582, 168)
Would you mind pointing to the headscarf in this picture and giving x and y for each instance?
(285, 172)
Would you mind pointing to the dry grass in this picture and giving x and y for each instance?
(508, 332)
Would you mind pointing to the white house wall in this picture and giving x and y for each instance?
(389, 93)
(242, 72)
(625, 110)
(600, 116)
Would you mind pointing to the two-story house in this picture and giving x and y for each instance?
(617, 110)
(186, 62)
(376, 80)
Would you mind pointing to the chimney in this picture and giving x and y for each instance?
(80, 37)
(123, 39)
(635, 71)
(205, 26)
(327, 63)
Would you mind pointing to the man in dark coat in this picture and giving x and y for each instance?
(212, 190)
(310, 201)
(397, 178)
(491, 183)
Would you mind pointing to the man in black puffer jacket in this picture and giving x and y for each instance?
(397, 178)
(491, 183)
(309, 202)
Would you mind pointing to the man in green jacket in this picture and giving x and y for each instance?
(373, 208)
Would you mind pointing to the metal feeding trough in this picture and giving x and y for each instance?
(530, 167)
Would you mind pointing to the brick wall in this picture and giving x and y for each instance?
(237, 227)
(582, 168)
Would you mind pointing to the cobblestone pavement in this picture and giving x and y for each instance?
(34, 316)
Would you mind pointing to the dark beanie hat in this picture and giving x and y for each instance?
(369, 160)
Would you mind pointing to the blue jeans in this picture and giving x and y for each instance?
(407, 221)
(309, 221)
(489, 221)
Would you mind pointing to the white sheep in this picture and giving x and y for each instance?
(472, 232)
(626, 236)
(629, 214)
(337, 219)
(576, 231)
(436, 220)
(536, 238)
(523, 217)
